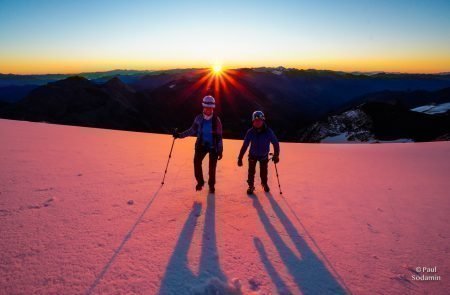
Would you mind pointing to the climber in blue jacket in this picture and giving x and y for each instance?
(259, 138)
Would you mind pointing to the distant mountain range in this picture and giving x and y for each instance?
(42, 79)
(294, 100)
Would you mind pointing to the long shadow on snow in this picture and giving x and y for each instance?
(178, 276)
(118, 250)
(309, 272)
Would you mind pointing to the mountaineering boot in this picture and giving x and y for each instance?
(212, 189)
(266, 187)
(250, 190)
(199, 186)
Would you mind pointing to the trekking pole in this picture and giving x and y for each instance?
(276, 172)
(168, 160)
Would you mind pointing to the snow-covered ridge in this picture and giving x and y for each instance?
(433, 109)
(351, 126)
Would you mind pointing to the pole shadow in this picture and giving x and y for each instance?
(178, 277)
(118, 250)
(309, 273)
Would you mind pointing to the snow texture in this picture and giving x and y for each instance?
(82, 211)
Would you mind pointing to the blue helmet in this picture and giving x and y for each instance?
(258, 115)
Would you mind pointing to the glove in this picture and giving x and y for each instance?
(275, 159)
(240, 162)
(219, 156)
(176, 134)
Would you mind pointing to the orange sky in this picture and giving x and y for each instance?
(432, 64)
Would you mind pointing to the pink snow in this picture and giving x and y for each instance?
(82, 211)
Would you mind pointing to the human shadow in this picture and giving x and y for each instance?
(308, 272)
(178, 277)
(276, 279)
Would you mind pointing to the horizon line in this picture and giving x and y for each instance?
(228, 68)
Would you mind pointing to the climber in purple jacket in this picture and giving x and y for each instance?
(259, 138)
(208, 129)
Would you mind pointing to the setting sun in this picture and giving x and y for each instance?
(217, 69)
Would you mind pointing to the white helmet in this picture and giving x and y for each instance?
(209, 102)
(258, 115)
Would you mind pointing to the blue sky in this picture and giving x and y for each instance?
(67, 36)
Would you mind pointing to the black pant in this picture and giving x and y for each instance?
(200, 154)
(263, 163)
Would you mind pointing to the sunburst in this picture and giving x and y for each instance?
(217, 69)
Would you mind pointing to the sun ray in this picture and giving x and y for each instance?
(222, 84)
(217, 86)
(198, 83)
(237, 85)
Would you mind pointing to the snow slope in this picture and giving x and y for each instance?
(82, 212)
